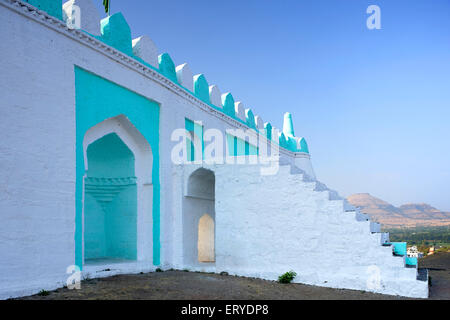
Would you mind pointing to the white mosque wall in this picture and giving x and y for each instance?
(257, 234)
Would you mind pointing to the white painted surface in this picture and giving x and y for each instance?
(89, 15)
(215, 96)
(184, 76)
(240, 110)
(145, 48)
(37, 198)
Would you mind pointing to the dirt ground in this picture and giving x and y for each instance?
(439, 270)
(181, 285)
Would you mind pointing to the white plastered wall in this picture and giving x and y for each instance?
(289, 225)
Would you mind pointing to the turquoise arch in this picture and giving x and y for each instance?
(268, 129)
(98, 99)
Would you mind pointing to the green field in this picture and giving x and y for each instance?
(423, 237)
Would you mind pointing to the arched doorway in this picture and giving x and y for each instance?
(117, 206)
(199, 218)
(110, 203)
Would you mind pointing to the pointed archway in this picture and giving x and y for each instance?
(117, 193)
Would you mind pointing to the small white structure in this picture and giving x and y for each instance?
(412, 252)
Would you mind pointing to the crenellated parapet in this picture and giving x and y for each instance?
(115, 32)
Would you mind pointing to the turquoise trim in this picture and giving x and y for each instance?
(282, 141)
(98, 99)
(190, 149)
(228, 105)
(411, 261)
(201, 88)
(194, 129)
(52, 7)
(400, 248)
(239, 147)
(250, 118)
(167, 67)
(116, 33)
(268, 128)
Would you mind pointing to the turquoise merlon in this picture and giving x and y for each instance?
(167, 67)
(400, 248)
(250, 118)
(52, 7)
(288, 125)
(303, 145)
(201, 88)
(228, 104)
(292, 143)
(411, 261)
(116, 33)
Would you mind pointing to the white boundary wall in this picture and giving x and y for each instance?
(37, 193)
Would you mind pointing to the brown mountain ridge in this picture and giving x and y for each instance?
(406, 216)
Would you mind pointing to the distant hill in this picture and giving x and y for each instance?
(407, 215)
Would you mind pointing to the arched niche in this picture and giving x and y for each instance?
(118, 192)
(199, 218)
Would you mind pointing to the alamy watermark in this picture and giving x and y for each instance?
(374, 20)
(74, 280)
(213, 147)
(373, 282)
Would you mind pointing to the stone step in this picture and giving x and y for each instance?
(422, 274)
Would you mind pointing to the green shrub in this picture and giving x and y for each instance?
(159, 270)
(287, 277)
(43, 293)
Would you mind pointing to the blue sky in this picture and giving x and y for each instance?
(374, 105)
